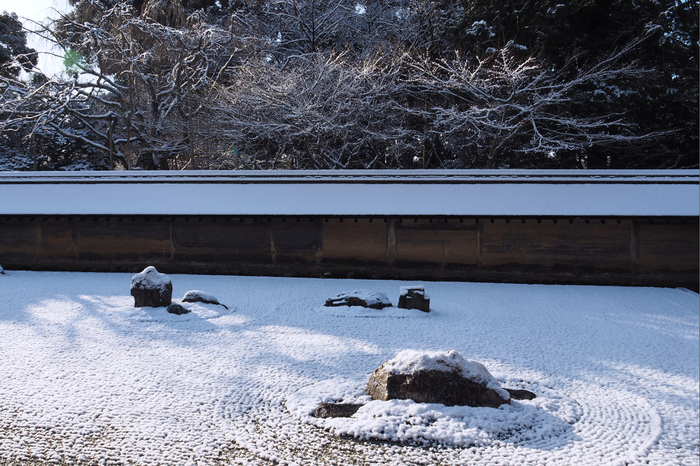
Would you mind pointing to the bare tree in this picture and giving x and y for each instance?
(308, 26)
(319, 111)
(339, 84)
(480, 110)
(141, 95)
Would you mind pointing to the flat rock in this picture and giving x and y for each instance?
(436, 377)
(363, 298)
(517, 394)
(151, 288)
(414, 297)
(196, 296)
(325, 410)
(177, 309)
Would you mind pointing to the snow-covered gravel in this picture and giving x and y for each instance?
(86, 378)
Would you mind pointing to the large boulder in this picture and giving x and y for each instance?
(414, 297)
(151, 288)
(436, 377)
(363, 298)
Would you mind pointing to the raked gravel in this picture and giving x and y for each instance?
(86, 378)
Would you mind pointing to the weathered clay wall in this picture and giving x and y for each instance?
(661, 252)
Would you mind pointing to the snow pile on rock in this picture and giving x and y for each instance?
(197, 296)
(436, 377)
(534, 422)
(151, 278)
(412, 361)
(362, 298)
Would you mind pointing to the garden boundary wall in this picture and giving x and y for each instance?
(434, 226)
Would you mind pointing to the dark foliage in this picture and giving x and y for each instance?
(373, 84)
(15, 55)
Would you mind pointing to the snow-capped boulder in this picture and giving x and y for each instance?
(414, 297)
(178, 309)
(196, 296)
(151, 288)
(363, 298)
(436, 377)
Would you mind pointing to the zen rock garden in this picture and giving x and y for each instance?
(154, 289)
(431, 377)
(424, 377)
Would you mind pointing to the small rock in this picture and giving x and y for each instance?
(196, 296)
(177, 309)
(413, 297)
(151, 288)
(363, 298)
(325, 410)
(517, 394)
(436, 377)
(2, 272)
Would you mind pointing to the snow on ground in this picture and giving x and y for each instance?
(86, 377)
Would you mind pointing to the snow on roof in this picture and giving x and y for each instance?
(354, 193)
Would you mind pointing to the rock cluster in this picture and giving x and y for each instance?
(411, 297)
(154, 289)
(363, 298)
(436, 377)
(431, 377)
